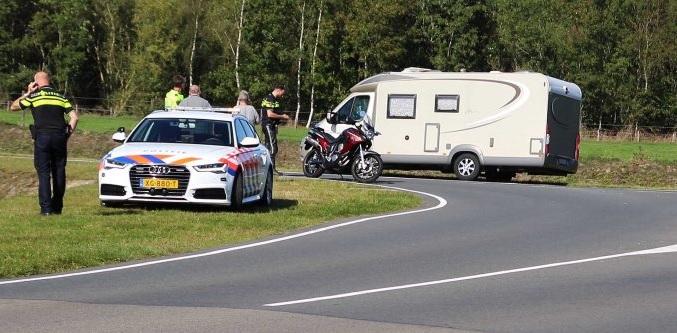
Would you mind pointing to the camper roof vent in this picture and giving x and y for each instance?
(418, 70)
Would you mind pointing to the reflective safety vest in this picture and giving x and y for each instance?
(270, 103)
(48, 108)
(173, 98)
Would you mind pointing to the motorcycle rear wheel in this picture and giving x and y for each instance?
(370, 171)
(312, 164)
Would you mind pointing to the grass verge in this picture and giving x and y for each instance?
(638, 172)
(106, 125)
(85, 145)
(89, 123)
(626, 151)
(18, 176)
(88, 235)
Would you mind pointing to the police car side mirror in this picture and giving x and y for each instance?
(119, 137)
(250, 142)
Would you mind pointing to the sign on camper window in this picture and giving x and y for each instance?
(446, 103)
(402, 106)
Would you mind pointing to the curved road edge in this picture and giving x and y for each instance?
(441, 203)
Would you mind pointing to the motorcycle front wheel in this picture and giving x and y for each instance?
(312, 164)
(368, 171)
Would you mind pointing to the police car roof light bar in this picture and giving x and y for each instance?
(197, 108)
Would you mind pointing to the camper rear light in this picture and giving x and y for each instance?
(578, 145)
(547, 140)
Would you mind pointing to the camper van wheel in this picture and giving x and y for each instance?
(467, 167)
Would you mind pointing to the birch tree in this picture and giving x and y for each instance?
(112, 50)
(298, 70)
(312, 66)
(220, 24)
(197, 7)
(240, 26)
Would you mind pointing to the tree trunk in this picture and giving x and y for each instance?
(599, 127)
(312, 68)
(636, 132)
(298, 70)
(237, 46)
(192, 50)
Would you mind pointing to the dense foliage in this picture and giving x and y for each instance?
(124, 52)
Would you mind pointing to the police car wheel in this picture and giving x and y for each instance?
(237, 192)
(267, 195)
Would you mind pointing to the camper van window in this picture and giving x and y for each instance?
(359, 108)
(402, 106)
(446, 103)
(344, 111)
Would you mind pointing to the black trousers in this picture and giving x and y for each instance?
(50, 163)
(270, 134)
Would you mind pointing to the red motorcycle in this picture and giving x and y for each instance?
(349, 150)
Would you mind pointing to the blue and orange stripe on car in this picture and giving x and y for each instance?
(154, 159)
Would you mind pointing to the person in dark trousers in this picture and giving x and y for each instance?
(271, 116)
(50, 134)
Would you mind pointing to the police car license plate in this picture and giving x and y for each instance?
(159, 183)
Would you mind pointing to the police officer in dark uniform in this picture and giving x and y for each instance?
(271, 116)
(50, 133)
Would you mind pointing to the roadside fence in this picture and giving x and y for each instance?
(106, 107)
(616, 132)
(598, 131)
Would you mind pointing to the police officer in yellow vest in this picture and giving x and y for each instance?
(271, 117)
(174, 97)
(50, 135)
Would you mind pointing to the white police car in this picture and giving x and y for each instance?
(188, 156)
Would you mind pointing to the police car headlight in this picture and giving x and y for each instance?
(213, 167)
(110, 163)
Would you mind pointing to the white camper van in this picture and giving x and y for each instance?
(469, 123)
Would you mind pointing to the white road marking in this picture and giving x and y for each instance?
(665, 249)
(441, 203)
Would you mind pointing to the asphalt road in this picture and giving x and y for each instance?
(496, 258)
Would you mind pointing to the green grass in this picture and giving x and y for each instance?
(84, 145)
(625, 151)
(18, 175)
(88, 235)
(292, 134)
(98, 124)
(89, 123)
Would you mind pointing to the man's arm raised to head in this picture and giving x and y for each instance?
(15, 106)
(20, 103)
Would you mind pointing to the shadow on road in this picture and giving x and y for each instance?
(137, 208)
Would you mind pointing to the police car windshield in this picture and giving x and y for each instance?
(185, 131)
